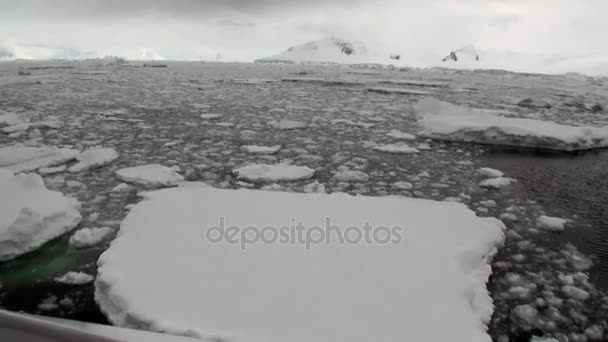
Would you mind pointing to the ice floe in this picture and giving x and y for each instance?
(496, 183)
(87, 237)
(257, 149)
(31, 215)
(446, 121)
(289, 124)
(150, 175)
(21, 158)
(351, 176)
(273, 172)
(490, 173)
(395, 148)
(75, 278)
(396, 134)
(441, 261)
(210, 116)
(554, 224)
(92, 158)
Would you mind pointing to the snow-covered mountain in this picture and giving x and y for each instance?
(330, 50)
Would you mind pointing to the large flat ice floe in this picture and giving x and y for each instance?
(428, 285)
(21, 158)
(446, 121)
(273, 172)
(94, 157)
(150, 175)
(31, 215)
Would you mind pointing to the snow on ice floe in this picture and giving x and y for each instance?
(435, 274)
(94, 157)
(554, 224)
(21, 158)
(273, 172)
(394, 148)
(87, 237)
(31, 215)
(75, 278)
(402, 91)
(257, 149)
(396, 134)
(445, 121)
(150, 175)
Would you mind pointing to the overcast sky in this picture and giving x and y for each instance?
(248, 29)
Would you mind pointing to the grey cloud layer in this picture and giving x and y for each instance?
(179, 8)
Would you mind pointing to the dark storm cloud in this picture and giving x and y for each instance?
(175, 8)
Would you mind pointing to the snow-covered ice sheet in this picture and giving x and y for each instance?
(446, 121)
(31, 215)
(150, 175)
(21, 158)
(94, 157)
(273, 172)
(433, 277)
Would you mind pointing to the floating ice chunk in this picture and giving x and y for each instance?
(575, 292)
(488, 203)
(400, 135)
(289, 124)
(496, 183)
(595, 333)
(256, 149)
(9, 119)
(314, 187)
(351, 176)
(75, 278)
(31, 215)
(122, 187)
(94, 157)
(395, 148)
(508, 217)
(21, 158)
(490, 173)
(18, 127)
(553, 224)
(527, 313)
(48, 304)
(442, 260)
(210, 116)
(445, 121)
(273, 173)
(151, 175)
(402, 185)
(543, 339)
(402, 91)
(87, 237)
